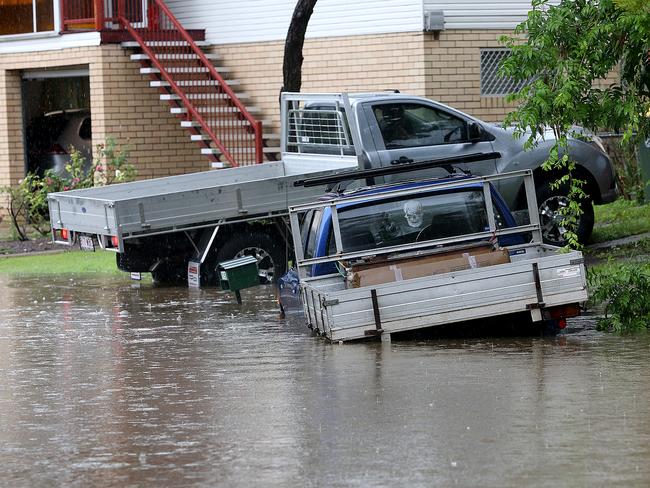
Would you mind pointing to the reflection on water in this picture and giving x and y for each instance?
(106, 384)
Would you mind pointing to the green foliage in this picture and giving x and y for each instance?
(28, 205)
(625, 293)
(566, 56)
(633, 5)
(112, 165)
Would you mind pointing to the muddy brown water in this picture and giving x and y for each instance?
(106, 384)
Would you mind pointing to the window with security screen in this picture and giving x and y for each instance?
(492, 83)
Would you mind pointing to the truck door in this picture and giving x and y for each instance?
(406, 131)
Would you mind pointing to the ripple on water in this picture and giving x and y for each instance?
(110, 388)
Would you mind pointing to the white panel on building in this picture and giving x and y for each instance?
(481, 14)
(234, 21)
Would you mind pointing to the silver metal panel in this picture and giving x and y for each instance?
(481, 14)
(145, 207)
(450, 297)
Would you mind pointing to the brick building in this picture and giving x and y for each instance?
(58, 55)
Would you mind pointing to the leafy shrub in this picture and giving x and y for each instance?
(112, 165)
(28, 207)
(28, 203)
(625, 293)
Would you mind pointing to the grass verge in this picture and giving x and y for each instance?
(70, 262)
(619, 219)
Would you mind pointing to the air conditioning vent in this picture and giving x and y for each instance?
(434, 20)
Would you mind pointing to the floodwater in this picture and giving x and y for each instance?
(103, 383)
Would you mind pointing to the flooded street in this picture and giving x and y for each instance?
(104, 383)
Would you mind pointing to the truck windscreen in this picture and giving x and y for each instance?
(422, 217)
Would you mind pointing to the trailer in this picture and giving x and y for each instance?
(385, 289)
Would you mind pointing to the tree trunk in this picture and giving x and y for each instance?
(292, 67)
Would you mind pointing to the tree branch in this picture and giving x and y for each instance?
(293, 58)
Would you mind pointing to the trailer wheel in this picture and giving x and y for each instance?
(269, 252)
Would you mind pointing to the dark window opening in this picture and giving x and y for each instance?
(57, 120)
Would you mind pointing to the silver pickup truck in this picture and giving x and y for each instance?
(168, 226)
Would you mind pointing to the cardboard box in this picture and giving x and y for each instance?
(419, 266)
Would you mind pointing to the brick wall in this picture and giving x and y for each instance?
(122, 104)
(453, 72)
(358, 63)
(11, 134)
(126, 108)
(444, 67)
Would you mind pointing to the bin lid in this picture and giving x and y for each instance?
(237, 262)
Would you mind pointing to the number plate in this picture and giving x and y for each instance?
(86, 243)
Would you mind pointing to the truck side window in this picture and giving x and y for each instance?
(412, 125)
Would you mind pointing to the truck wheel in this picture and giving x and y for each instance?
(550, 201)
(270, 254)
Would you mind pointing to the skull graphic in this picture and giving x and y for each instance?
(413, 213)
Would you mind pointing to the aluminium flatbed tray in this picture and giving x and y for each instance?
(191, 200)
(341, 314)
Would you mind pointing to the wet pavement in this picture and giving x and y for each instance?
(103, 383)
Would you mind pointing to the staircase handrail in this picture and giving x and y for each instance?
(255, 124)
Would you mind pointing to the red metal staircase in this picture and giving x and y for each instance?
(224, 128)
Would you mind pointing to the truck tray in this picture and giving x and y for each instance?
(342, 314)
(188, 201)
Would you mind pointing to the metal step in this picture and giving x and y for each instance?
(219, 110)
(202, 96)
(199, 137)
(214, 110)
(205, 137)
(135, 44)
(162, 83)
(179, 56)
(185, 69)
(187, 124)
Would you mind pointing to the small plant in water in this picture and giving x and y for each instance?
(625, 293)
